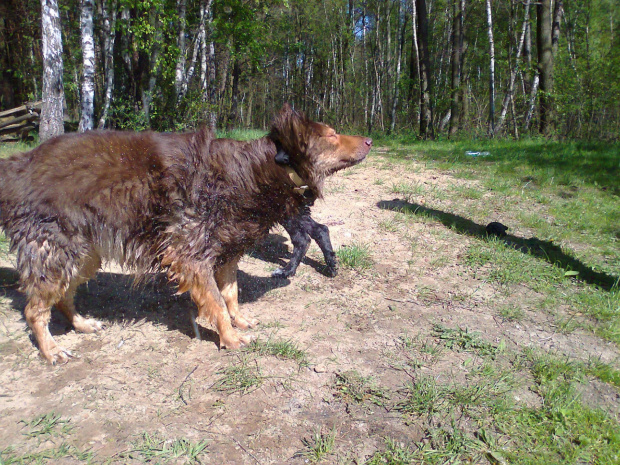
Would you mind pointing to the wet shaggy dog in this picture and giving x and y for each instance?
(184, 204)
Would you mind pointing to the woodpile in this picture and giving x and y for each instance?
(16, 124)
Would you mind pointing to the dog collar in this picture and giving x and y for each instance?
(297, 180)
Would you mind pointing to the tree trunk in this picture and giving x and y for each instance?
(207, 63)
(52, 117)
(426, 113)
(530, 112)
(555, 27)
(108, 14)
(179, 75)
(458, 8)
(508, 98)
(401, 45)
(88, 77)
(545, 68)
(491, 70)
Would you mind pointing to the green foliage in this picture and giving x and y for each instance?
(285, 350)
(356, 256)
(242, 376)
(319, 446)
(154, 448)
(352, 387)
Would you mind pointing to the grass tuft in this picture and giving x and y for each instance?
(319, 446)
(243, 376)
(352, 387)
(284, 350)
(152, 448)
(356, 256)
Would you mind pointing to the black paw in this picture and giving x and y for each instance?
(282, 273)
(331, 271)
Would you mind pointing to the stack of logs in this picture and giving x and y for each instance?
(17, 123)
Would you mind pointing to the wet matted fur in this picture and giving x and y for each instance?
(185, 204)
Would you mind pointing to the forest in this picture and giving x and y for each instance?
(426, 68)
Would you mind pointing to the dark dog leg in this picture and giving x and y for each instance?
(295, 227)
(301, 229)
(320, 233)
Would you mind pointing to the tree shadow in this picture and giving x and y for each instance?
(274, 250)
(544, 250)
(114, 297)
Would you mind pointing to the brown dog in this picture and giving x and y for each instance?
(185, 204)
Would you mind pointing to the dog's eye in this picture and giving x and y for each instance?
(332, 135)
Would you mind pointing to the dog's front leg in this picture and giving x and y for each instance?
(226, 278)
(212, 311)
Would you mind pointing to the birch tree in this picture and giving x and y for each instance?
(509, 97)
(88, 73)
(52, 115)
(545, 67)
(458, 7)
(108, 14)
(491, 69)
(426, 115)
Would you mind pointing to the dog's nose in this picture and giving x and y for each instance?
(368, 142)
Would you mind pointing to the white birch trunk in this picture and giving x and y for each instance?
(88, 76)
(179, 75)
(491, 70)
(52, 117)
(108, 13)
(401, 44)
(513, 73)
(533, 93)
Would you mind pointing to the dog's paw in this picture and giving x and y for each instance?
(331, 271)
(243, 323)
(87, 325)
(233, 341)
(282, 273)
(57, 355)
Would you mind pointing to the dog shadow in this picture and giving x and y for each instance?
(274, 250)
(114, 297)
(544, 250)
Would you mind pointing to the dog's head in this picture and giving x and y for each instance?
(315, 150)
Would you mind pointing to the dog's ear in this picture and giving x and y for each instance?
(282, 158)
(286, 111)
(287, 123)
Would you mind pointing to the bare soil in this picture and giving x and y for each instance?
(146, 372)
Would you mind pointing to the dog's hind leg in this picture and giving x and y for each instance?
(37, 314)
(295, 227)
(213, 311)
(199, 280)
(48, 262)
(66, 305)
(226, 278)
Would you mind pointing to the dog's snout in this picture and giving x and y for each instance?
(368, 142)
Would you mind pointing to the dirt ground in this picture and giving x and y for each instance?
(147, 373)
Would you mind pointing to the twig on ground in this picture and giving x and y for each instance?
(184, 381)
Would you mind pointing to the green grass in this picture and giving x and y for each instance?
(351, 387)
(395, 453)
(478, 419)
(561, 201)
(319, 446)
(356, 256)
(461, 339)
(49, 424)
(7, 150)
(243, 376)
(152, 448)
(284, 350)
(511, 313)
(241, 134)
